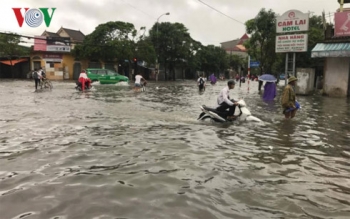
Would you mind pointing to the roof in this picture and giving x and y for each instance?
(75, 35)
(228, 45)
(241, 47)
(50, 34)
(331, 50)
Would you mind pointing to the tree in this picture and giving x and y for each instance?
(261, 45)
(108, 42)
(146, 51)
(213, 59)
(236, 61)
(10, 48)
(172, 42)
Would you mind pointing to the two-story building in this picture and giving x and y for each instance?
(52, 51)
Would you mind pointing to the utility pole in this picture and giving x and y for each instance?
(157, 65)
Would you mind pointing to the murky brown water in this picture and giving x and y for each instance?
(111, 153)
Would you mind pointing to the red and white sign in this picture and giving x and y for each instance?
(292, 21)
(42, 43)
(342, 24)
(291, 43)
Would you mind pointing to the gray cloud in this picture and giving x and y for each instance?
(204, 24)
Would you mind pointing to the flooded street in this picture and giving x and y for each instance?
(112, 153)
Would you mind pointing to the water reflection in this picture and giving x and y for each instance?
(103, 152)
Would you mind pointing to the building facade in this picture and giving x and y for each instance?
(52, 52)
(236, 47)
(336, 50)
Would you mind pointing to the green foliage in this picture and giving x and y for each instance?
(9, 46)
(315, 35)
(213, 59)
(261, 45)
(236, 61)
(174, 45)
(109, 41)
(145, 50)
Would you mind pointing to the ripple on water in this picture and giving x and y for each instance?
(98, 154)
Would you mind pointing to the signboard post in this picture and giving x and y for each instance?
(290, 22)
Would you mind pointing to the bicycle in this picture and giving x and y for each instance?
(46, 83)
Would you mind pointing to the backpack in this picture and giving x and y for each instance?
(35, 75)
(201, 81)
(43, 74)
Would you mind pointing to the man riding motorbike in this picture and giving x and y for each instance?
(225, 102)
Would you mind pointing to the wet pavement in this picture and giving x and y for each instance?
(113, 153)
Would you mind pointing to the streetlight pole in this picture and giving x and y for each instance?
(157, 67)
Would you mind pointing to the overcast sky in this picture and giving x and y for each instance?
(204, 24)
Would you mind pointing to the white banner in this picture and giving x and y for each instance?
(291, 43)
(292, 21)
(58, 48)
(53, 60)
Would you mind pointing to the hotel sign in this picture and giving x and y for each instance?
(292, 21)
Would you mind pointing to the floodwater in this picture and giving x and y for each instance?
(113, 153)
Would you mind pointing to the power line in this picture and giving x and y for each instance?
(138, 9)
(221, 12)
(56, 40)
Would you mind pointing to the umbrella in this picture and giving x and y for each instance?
(267, 78)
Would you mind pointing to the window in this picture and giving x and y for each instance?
(52, 64)
(93, 72)
(102, 72)
(109, 72)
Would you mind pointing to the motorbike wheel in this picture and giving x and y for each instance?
(48, 85)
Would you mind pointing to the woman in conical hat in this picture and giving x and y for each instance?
(289, 104)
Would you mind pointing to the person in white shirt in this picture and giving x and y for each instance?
(39, 73)
(83, 78)
(201, 83)
(138, 79)
(225, 102)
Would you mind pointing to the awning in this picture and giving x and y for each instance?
(14, 61)
(331, 50)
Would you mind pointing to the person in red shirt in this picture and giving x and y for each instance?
(83, 78)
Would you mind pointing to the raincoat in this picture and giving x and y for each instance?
(212, 78)
(288, 97)
(269, 91)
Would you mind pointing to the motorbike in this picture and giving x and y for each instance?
(79, 86)
(221, 116)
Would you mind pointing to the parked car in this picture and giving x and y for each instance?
(282, 76)
(105, 76)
